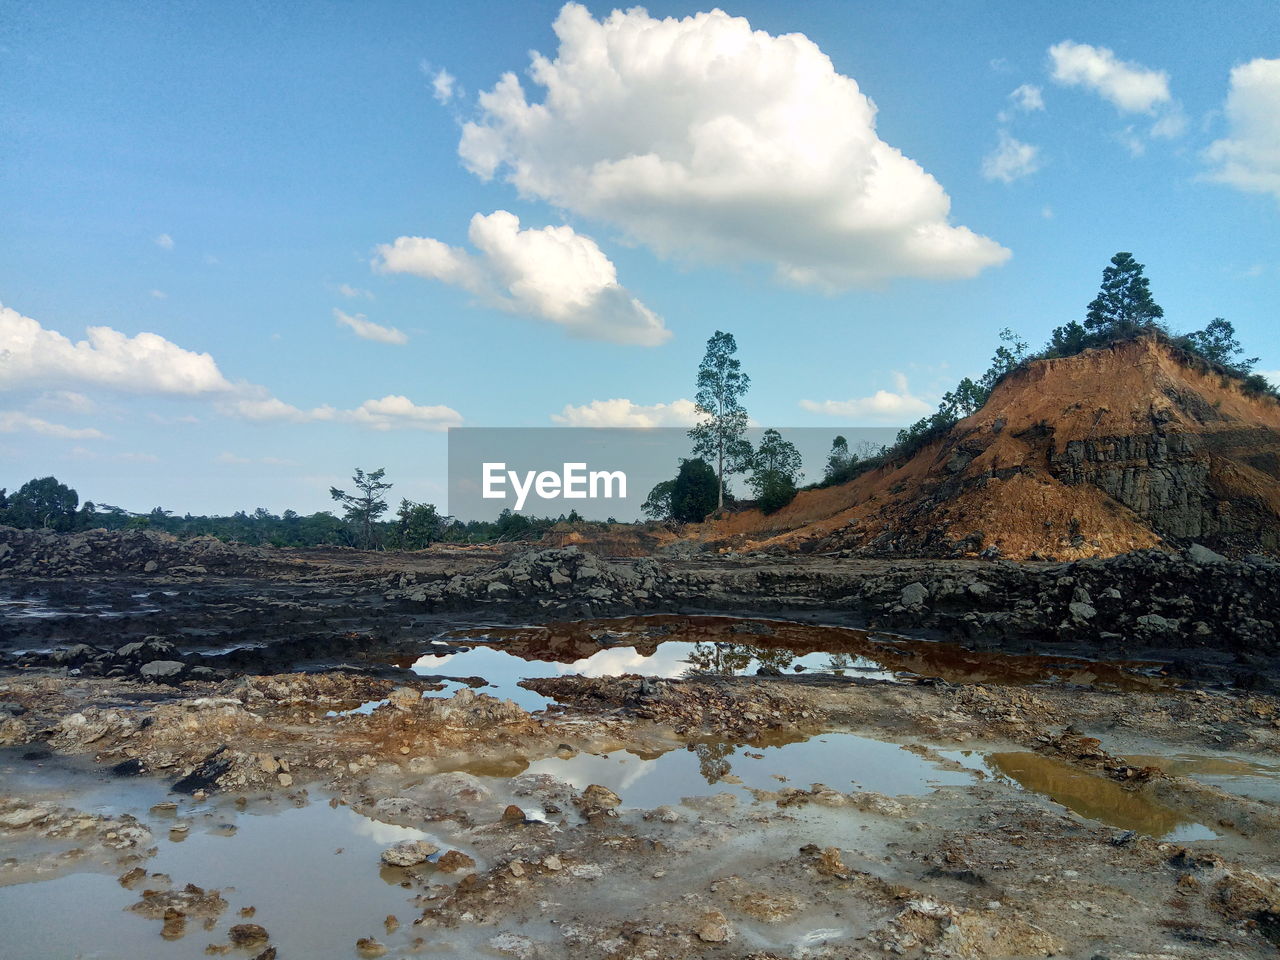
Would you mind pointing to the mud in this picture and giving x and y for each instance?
(337, 771)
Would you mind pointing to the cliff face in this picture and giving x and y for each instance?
(1116, 449)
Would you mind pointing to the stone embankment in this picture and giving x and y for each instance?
(1140, 600)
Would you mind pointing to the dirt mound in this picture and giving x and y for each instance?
(1117, 449)
(43, 553)
(614, 540)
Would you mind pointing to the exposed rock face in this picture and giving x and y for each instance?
(1178, 482)
(1117, 449)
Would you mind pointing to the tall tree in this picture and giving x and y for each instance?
(366, 505)
(1123, 304)
(776, 467)
(721, 436)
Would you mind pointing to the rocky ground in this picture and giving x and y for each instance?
(202, 701)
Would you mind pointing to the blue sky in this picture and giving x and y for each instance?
(233, 179)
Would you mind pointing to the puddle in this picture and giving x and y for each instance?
(365, 708)
(504, 668)
(842, 761)
(1247, 778)
(673, 646)
(312, 872)
(1095, 798)
(39, 609)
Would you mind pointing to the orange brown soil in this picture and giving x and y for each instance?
(1117, 449)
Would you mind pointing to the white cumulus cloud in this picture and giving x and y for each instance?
(898, 404)
(1010, 160)
(620, 412)
(31, 355)
(1130, 87)
(554, 274)
(164, 241)
(13, 421)
(1248, 158)
(708, 141)
(368, 330)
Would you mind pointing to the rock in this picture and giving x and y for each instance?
(454, 860)
(497, 590)
(25, 816)
(408, 853)
(713, 928)
(248, 934)
(513, 814)
(1153, 623)
(1081, 611)
(150, 567)
(600, 797)
(914, 595)
(1202, 555)
(369, 947)
(161, 669)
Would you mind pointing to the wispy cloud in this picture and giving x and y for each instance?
(364, 328)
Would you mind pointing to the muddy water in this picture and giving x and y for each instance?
(1095, 798)
(1248, 778)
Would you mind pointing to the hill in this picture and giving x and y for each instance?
(1119, 448)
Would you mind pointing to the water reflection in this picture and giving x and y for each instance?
(737, 645)
(842, 761)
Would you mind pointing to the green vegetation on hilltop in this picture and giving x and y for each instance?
(1123, 309)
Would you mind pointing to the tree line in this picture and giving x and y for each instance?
(47, 503)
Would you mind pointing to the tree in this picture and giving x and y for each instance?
(657, 505)
(366, 505)
(1069, 339)
(1008, 357)
(1123, 304)
(43, 503)
(418, 525)
(839, 460)
(721, 437)
(776, 466)
(694, 491)
(1217, 342)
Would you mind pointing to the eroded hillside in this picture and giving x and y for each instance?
(1116, 449)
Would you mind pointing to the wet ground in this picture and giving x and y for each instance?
(660, 786)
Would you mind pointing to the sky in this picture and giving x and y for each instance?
(247, 247)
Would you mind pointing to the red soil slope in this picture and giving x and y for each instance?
(1116, 449)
